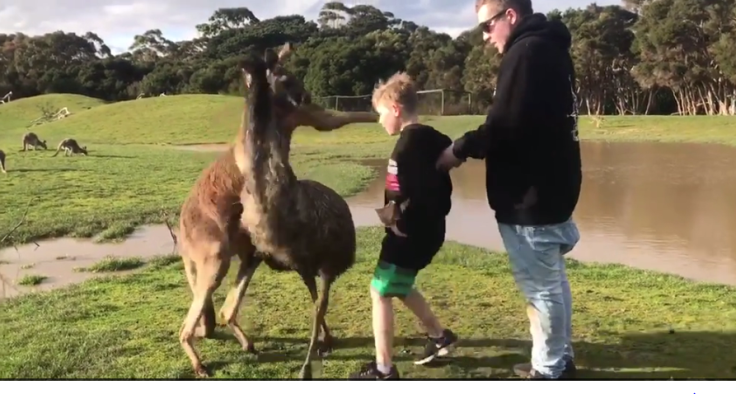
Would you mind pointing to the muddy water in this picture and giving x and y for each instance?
(664, 207)
(57, 258)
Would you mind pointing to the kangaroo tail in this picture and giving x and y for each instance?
(58, 149)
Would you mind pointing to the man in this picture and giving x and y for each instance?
(533, 171)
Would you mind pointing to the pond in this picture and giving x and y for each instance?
(661, 206)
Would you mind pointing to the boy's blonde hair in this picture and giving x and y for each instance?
(400, 90)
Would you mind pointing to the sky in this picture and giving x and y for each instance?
(117, 21)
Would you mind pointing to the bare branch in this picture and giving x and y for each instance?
(166, 217)
(20, 223)
(5, 281)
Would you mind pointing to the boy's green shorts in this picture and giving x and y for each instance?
(392, 281)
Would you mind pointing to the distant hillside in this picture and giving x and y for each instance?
(180, 119)
(20, 113)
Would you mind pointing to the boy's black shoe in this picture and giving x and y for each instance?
(370, 372)
(441, 347)
(526, 371)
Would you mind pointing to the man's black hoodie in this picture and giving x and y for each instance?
(530, 138)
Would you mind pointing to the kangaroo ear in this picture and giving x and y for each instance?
(271, 59)
(247, 78)
(285, 50)
(251, 67)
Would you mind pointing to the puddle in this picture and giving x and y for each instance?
(663, 207)
(655, 206)
(57, 258)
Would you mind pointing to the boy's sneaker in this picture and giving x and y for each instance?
(525, 371)
(370, 372)
(441, 347)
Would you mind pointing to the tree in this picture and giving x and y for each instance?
(644, 57)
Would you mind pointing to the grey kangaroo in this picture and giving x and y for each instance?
(31, 139)
(70, 147)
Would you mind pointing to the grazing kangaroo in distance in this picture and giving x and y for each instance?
(2, 162)
(70, 147)
(210, 231)
(31, 139)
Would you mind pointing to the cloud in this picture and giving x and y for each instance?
(117, 21)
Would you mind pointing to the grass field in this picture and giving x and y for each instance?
(127, 326)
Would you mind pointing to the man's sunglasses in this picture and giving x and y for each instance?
(487, 25)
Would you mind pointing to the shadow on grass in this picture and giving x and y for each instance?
(649, 356)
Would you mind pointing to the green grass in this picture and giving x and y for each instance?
(114, 264)
(117, 232)
(128, 326)
(18, 114)
(31, 280)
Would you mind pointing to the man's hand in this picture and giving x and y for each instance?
(448, 160)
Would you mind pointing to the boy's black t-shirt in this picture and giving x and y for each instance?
(412, 175)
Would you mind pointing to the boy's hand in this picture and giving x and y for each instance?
(397, 232)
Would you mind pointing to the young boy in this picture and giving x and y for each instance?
(417, 199)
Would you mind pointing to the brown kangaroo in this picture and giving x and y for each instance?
(298, 225)
(2, 161)
(70, 147)
(210, 232)
(31, 139)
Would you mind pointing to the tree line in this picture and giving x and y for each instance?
(643, 57)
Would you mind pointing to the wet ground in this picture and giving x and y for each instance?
(664, 207)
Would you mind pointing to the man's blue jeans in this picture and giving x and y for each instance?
(537, 262)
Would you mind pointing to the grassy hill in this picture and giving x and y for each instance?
(198, 118)
(20, 113)
(173, 119)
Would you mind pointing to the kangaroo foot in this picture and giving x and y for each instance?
(206, 325)
(324, 346)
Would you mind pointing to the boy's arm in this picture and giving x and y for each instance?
(405, 177)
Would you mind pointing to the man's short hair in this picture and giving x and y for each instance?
(522, 7)
(399, 89)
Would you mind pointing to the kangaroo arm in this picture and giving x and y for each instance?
(322, 120)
